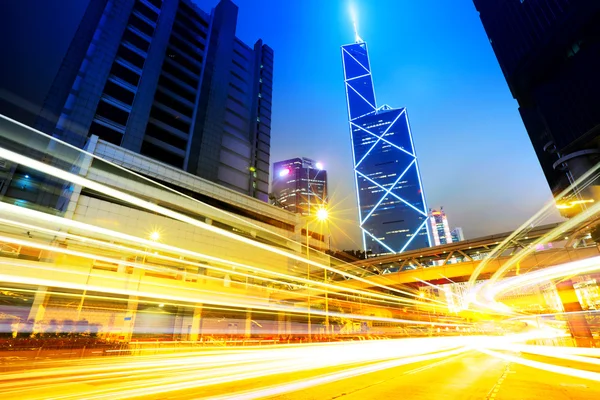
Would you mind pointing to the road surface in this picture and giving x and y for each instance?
(446, 368)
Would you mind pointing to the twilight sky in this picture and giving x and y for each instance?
(431, 56)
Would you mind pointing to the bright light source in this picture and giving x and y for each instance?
(26, 176)
(284, 172)
(319, 165)
(155, 236)
(322, 214)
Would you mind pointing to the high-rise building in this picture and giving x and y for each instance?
(391, 204)
(440, 230)
(549, 52)
(172, 82)
(457, 234)
(299, 185)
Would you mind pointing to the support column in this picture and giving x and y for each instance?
(288, 324)
(129, 323)
(38, 309)
(179, 324)
(281, 323)
(196, 326)
(248, 324)
(134, 282)
(578, 325)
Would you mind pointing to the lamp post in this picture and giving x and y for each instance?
(154, 236)
(322, 216)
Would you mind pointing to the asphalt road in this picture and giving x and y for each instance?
(310, 372)
(470, 376)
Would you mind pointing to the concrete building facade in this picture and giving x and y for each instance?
(167, 80)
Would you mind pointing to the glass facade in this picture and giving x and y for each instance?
(299, 185)
(392, 210)
(440, 229)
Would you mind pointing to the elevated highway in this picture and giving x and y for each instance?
(456, 262)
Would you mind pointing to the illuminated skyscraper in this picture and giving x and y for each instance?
(457, 234)
(440, 230)
(391, 204)
(299, 185)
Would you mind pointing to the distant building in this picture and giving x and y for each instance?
(440, 230)
(549, 52)
(391, 202)
(299, 185)
(457, 234)
(170, 81)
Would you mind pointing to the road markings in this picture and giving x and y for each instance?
(496, 388)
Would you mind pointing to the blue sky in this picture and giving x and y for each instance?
(431, 56)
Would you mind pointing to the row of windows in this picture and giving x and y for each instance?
(180, 73)
(157, 132)
(112, 113)
(185, 48)
(172, 120)
(180, 58)
(176, 88)
(146, 11)
(141, 25)
(188, 35)
(176, 105)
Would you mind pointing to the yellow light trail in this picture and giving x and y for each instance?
(125, 197)
(152, 375)
(531, 222)
(39, 216)
(390, 300)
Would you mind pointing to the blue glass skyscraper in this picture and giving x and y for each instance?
(391, 203)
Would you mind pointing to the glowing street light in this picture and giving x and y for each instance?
(322, 214)
(154, 236)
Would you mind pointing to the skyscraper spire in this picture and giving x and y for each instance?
(357, 38)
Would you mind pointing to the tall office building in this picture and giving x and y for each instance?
(549, 52)
(440, 229)
(172, 82)
(457, 234)
(299, 185)
(391, 204)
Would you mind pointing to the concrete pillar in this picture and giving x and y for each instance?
(129, 323)
(576, 321)
(248, 324)
(281, 323)
(180, 325)
(38, 307)
(195, 330)
(288, 324)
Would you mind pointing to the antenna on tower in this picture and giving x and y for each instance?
(357, 38)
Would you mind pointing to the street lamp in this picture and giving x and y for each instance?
(154, 236)
(321, 215)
